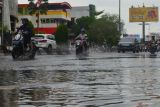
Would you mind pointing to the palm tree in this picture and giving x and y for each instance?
(40, 7)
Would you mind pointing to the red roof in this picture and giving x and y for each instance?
(65, 4)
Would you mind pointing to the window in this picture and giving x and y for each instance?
(51, 37)
(47, 20)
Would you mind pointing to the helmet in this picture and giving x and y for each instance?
(24, 21)
(82, 30)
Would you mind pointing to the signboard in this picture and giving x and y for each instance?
(143, 14)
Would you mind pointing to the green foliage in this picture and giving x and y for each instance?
(83, 22)
(32, 27)
(61, 34)
(42, 9)
(4, 28)
(103, 29)
(99, 30)
(93, 12)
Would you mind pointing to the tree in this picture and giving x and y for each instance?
(40, 7)
(32, 27)
(83, 22)
(104, 28)
(61, 37)
(93, 12)
(61, 34)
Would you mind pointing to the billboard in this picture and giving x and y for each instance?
(143, 14)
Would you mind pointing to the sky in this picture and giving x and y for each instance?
(112, 7)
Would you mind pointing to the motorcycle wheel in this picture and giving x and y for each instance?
(15, 53)
(32, 55)
(79, 50)
(33, 52)
(49, 49)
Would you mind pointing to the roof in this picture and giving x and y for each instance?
(66, 5)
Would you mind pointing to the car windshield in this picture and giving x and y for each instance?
(127, 39)
(39, 37)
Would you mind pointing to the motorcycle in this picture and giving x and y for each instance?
(19, 51)
(81, 47)
(153, 48)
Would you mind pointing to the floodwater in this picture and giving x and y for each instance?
(100, 80)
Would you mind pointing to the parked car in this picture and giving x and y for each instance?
(45, 41)
(128, 44)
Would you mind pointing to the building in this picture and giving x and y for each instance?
(10, 13)
(8, 16)
(82, 11)
(0, 10)
(79, 11)
(58, 13)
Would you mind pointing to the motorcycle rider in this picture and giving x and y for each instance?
(153, 44)
(83, 36)
(27, 32)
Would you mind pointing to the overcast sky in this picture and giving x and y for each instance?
(112, 7)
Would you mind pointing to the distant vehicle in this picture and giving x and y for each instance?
(128, 44)
(46, 42)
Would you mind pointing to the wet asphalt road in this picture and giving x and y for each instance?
(99, 80)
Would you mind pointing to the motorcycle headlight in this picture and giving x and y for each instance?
(17, 37)
(78, 43)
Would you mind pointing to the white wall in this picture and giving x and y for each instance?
(78, 12)
(6, 14)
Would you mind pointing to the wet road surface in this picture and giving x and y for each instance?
(99, 80)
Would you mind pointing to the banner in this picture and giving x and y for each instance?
(143, 14)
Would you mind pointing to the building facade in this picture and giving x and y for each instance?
(79, 11)
(9, 13)
(58, 13)
(0, 10)
(82, 11)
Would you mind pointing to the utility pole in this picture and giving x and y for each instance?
(143, 30)
(119, 17)
(2, 19)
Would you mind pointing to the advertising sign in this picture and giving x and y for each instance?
(143, 14)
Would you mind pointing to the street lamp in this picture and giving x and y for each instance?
(143, 30)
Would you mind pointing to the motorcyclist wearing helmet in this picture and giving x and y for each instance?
(27, 32)
(83, 36)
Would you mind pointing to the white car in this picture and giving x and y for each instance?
(45, 41)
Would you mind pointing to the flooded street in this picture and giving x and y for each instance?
(99, 80)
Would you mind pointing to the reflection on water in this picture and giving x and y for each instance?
(8, 89)
(110, 88)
